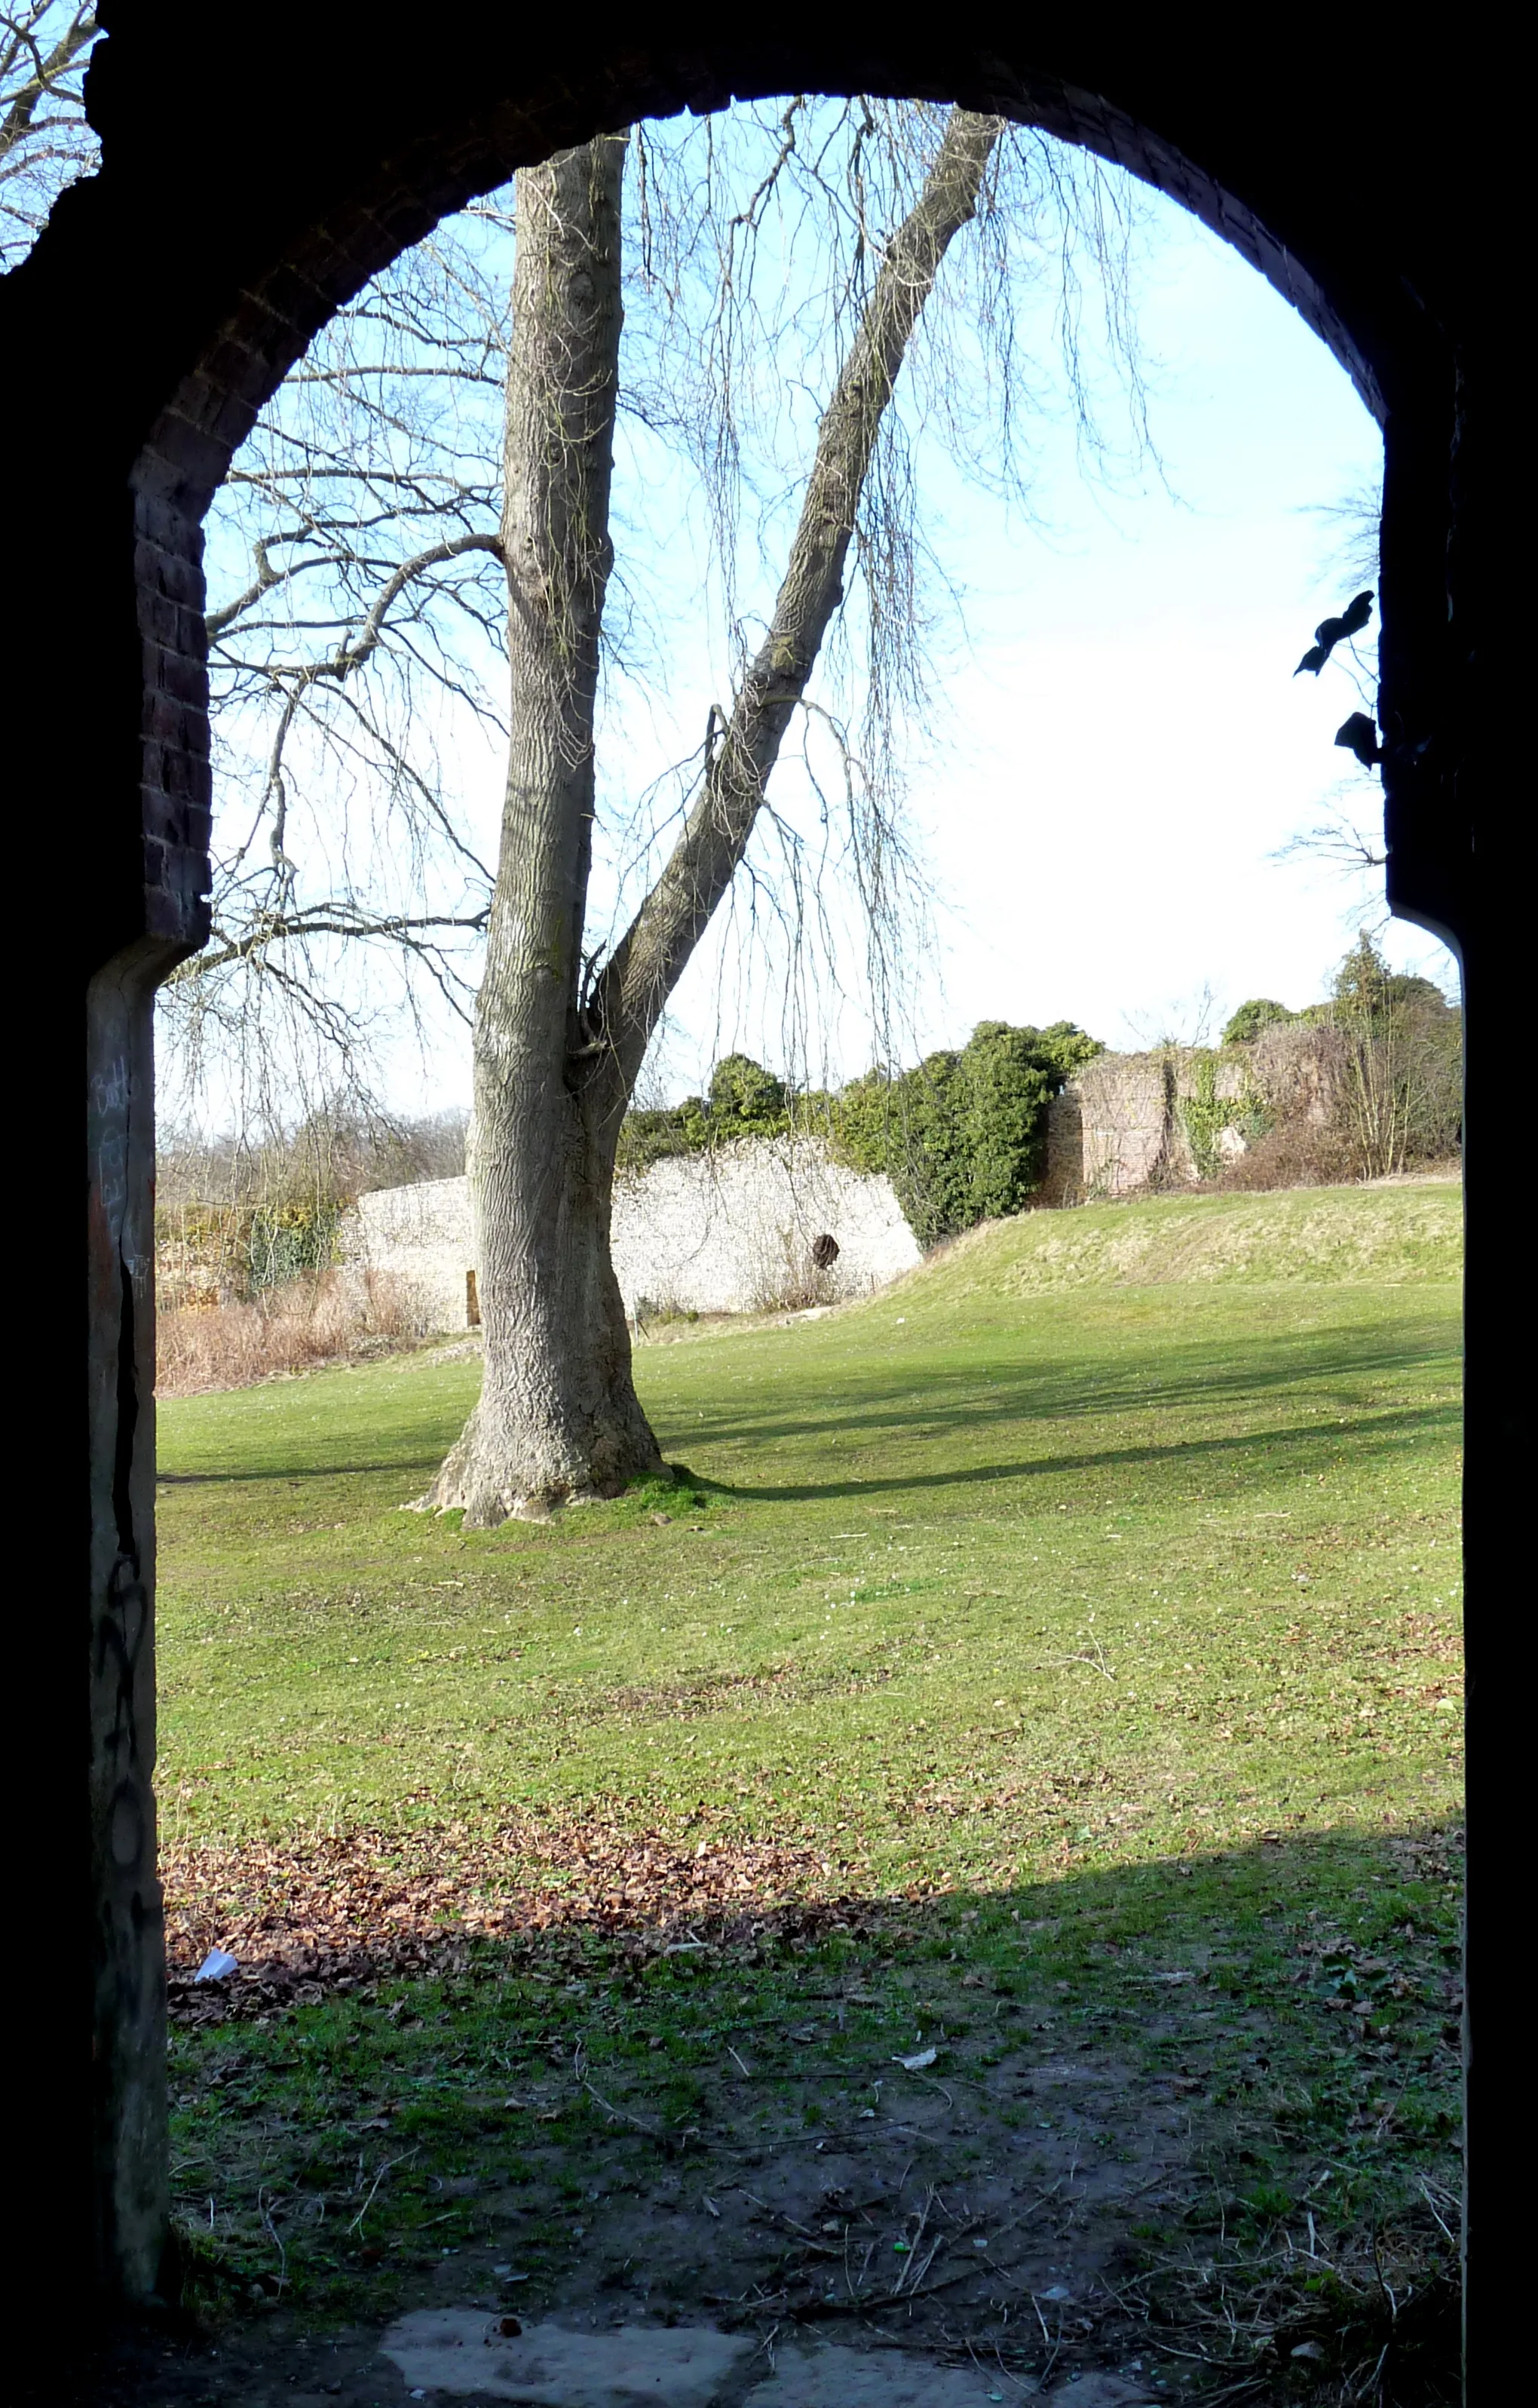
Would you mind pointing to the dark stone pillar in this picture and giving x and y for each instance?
(1458, 821)
(128, 2145)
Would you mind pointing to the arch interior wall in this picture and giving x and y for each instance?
(161, 305)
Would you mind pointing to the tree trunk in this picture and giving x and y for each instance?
(559, 1418)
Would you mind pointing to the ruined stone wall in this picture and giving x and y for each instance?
(732, 1230)
(1109, 1132)
(728, 1231)
(1297, 1066)
(1117, 1130)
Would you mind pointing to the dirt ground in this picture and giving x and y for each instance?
(1033, 2210)
(929, 2224)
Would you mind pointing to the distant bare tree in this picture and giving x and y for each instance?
(45, 142)
(328, 1158)
(1399, 1082)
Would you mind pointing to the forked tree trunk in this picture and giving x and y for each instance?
(557, 1417)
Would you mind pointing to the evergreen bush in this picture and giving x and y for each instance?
(962, 1138)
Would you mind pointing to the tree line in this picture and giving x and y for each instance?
(1390, 1046)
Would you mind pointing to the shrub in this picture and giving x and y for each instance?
(294, 1328)
(963, 1137)
(794, 1284)
(1296, 1152)
(745, 1100)
(1262, 1011)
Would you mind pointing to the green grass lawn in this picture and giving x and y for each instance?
(1094, 1591)
(1014, 1568)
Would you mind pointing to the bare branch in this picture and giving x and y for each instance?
(45, 141)
(649, 959)
(31, 76)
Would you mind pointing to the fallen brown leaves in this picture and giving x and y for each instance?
(310, 1914)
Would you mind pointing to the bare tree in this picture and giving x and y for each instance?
(355, 559)
(558, 1039)
(365, 577)
(359, 605)
(45, 142)
(1347, 838)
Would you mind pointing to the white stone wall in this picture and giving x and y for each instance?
(732, 1231)
(421, 1235)
(729, 1231)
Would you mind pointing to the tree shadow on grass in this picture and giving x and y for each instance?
(349, 1469)
(1376, 1433)
(1197, 2114)
(861, 1400)
(1374, 1437)
(1167, 1378)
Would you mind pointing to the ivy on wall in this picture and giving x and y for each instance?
(1204, 1115)
(209, 1252)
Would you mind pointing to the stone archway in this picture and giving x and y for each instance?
(199, 267)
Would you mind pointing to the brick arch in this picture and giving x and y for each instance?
(299, 268)
(233, 213)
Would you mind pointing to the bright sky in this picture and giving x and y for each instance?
(1118, 750)
(1132, 748)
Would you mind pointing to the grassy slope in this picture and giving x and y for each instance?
(1110, 1534)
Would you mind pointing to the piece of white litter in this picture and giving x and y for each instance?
(916, 2064)
(217, 1966)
